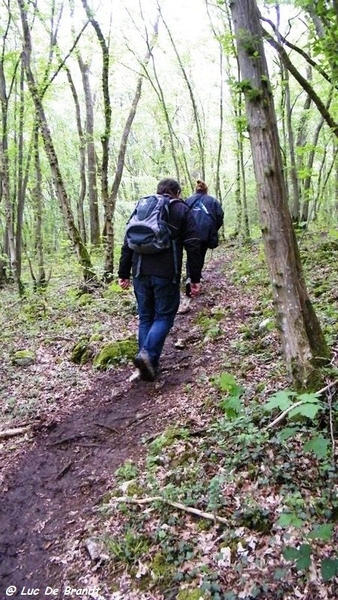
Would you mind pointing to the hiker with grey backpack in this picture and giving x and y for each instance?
(156, 233)
(208, 215)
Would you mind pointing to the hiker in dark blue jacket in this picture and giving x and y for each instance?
(209, 216)
(156, 280)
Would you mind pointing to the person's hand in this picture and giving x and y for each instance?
(124, 283)
(195, 289)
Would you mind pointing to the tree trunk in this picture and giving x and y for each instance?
(295, 200)
(5, 182)
(241, 200)
(21, 186)
(91, 158)
(307, 181)
(80, 249)
(303, 342)
(82, 150)
(40, 281)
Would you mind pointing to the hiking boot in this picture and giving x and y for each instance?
(143, 363)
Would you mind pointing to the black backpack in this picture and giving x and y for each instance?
(205, 221)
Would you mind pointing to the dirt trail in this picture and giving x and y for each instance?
(51, 493)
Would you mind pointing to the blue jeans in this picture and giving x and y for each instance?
(158, 301)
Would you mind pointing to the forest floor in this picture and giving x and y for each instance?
(93, 437)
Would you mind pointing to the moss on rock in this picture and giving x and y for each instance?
(81, 352)
(24, 358)
(190, 595)
(161, 569)
(85, 299)
(115, 353)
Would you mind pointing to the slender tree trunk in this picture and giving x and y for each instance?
(218, 187)
(241, 199)
(301, 140)
(5, 182)
(295, 200)
(302, 338)
(81, 251)
(38, 207)
(323, 185)
(307, 181)
(91, 158)
(82, 149)
(21, 189)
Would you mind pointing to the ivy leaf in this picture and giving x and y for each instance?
(322, 532)
(290, 553)
(304, 560)
(305, 550)
(302, 556)
(319, 445)
(329, 568)
(289, 520)
(303, 563)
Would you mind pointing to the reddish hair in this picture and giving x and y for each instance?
(201, 186)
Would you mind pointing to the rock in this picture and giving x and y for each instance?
(95, 550)
(81, 352)
(115, 353)
(24, 358)
(180, 344)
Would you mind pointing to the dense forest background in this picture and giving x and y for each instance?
(100, 101)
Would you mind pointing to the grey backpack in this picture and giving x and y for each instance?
(147, 230)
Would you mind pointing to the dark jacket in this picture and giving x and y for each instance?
(212, 205)
(162, 264)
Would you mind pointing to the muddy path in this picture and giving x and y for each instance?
(50, 493)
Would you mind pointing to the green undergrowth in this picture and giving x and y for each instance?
(264, 491)
(260, 475)
(71, 324)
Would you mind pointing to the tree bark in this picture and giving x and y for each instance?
(303, 342)
(41, 280)
(5, 177)
(82, 150)
(91, 157)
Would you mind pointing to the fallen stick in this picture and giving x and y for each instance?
(282, 416)
(111, 429)
(179, 505)
(7, 433)
(64, 470)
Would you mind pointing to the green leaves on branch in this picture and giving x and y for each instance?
(297, 405)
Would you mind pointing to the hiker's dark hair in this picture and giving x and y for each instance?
(169, 186)
(201, 186)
